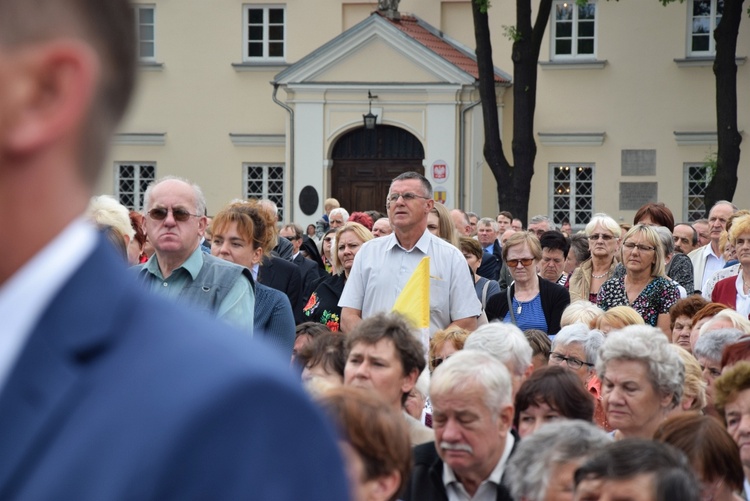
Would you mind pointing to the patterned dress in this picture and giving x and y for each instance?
(323, 305)
(656, 298)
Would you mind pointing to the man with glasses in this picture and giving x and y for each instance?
(175, 222)
(384, 265)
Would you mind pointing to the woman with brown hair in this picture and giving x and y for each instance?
(712, 453)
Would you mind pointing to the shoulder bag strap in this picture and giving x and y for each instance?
(510, 303)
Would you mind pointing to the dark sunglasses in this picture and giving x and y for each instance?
(291, 239)
(180, 215)
(512, 263)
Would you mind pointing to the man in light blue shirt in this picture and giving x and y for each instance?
(175, 222)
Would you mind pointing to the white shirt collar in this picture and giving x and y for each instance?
(26, 295)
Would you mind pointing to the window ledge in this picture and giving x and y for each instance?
(571, 138)
(260, 66)
(257, 139)
(150, 65)
(691, 62)
(574, 64)
(140, 138)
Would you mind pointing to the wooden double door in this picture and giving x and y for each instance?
(365, 162)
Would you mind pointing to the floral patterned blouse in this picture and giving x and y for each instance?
(656, 298)
(323, 305)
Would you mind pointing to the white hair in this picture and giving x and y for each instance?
(580, 311)
(106, 211)
(590, 339)
(503, 341)
(648, 345)
(464, 370)
(738, 321)
(711, 344)
(339, 210)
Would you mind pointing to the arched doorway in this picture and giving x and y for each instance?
(365, 162)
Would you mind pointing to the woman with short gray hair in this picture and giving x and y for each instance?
(642, 380)
(576, 347)
(542, 466)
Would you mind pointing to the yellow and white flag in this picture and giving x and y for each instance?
(414, 300)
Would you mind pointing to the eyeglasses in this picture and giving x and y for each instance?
(643, 248)
(160, 214)
(408, 197)
(328, 239)
(512, 263)
(603, 236)
(572, 362)
(291, 239)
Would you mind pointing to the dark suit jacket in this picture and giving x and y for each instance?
(122, 395)
(286, 277)
(310, 275)
(426, 481)
(491, 263)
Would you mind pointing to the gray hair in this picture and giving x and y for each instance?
(426, 185)
(466, 369)
(541, 218)
(488, 221)
(725, 202)
(665, 237)
(200, 199)
(605, 221)
(580, 312)
(503, 341)
(555, 444)
(591, 340)
(711, 344)
(648, 345)
(339, 210)
(106, 211)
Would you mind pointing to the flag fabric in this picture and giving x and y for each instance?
(414, 300)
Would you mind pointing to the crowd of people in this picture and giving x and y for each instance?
(238, 357)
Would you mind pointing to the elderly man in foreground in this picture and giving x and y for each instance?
(472, 417)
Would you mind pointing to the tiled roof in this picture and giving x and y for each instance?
(443, 47)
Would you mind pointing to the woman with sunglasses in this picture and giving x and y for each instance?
(530, 302)
(326, 244)
(644, 287)
(323, 305)
(445, 343)
(603, 234)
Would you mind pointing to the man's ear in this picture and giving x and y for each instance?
(57, 85)
(505, 419)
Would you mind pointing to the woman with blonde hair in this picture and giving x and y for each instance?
(603, 234)
(644, 287)
(323, 305)
(584, 312)
(445, 343)
(617, 318)
(440, 224)
(694, 389)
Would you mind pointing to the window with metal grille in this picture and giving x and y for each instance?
(131, 181)
(146, 26)
(264, 33)
(573, 30)
(704, 17)
(266, 181)
(697, 176)
(572, 193)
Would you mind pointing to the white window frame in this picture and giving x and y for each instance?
(277, 196)
(266, 24)
(141, 40)
(712, 26)
(686, 190)
(138, 190)
(572, 211)
(574, 34)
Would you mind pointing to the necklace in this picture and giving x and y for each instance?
(521, 304)
(600, 276)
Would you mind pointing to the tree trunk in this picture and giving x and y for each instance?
(724, 182)
(513, 181)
